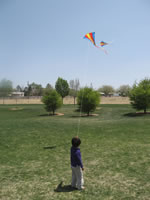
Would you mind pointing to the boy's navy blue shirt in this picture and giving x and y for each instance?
(76, 157)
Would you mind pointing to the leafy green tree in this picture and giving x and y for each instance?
(52, 101)
(5, 87)
(140, 95)
(88, 100)
(62, 87)
(124, 90)
(107, 90)
(74, 88)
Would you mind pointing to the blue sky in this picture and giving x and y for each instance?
(41, 40)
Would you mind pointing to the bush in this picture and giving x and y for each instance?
(140, 95)
(52, 101)
(88, 100)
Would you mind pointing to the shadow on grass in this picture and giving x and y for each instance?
(48, 115)
(84, 115)
(78, 116)
(54, 146)
(138, 114)
(50, 147)
(45, 115)
(65, 188)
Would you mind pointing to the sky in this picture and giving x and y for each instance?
(41, 40)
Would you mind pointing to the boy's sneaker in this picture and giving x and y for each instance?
(82, 188)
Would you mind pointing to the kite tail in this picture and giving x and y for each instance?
(102, 49)
(97, 46)
(105, 52)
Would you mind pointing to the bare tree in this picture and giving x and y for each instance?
(124, 90)
(74, 88)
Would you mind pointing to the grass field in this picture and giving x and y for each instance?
(35, 153)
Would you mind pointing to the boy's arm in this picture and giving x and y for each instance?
(79, 159)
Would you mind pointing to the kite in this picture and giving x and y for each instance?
(102, 43)
(91, 37)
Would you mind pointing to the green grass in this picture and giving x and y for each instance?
(35, 153)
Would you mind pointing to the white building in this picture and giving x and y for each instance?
(17, 94)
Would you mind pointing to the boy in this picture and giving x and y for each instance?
(76, 164)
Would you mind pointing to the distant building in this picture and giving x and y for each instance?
(102, 93)
(17, 94)
(116, 95)
(109, 95)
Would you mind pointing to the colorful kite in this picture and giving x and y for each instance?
(91, 37)
(102, 43)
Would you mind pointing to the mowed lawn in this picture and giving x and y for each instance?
(35, 153)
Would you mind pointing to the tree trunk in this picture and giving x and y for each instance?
(145, 111)
(74, 101)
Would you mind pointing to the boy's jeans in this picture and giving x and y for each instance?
(77, 177)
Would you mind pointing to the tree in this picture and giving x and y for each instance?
(49, 86)
(88, 100)
(47, 89)
(107, 90)
(124, 90)
(140, 95)
(27, 90)
(52, 101)
(62, 87)
(74, 88)
(5, 88)
(19, 88)
(33, 89)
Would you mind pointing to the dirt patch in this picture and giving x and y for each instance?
(16, 108)
(142, 113)
(59, 114)
(98, 108)
(137, 114)
(94, 114)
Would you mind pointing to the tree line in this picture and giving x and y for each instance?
(87, 97)
(71, 88)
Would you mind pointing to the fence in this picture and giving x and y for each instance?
(67, 100)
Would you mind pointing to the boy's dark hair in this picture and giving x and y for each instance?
(76, 142)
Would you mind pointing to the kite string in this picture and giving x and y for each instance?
(79, 120)
(80, 114)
